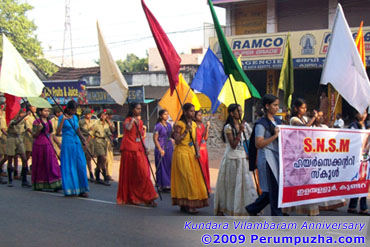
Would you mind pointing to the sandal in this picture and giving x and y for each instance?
(151, 204)
(352, 211)
(192, 211)
(184, 209)
(364, 212)
(85, 195)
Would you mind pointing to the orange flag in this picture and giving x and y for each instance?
(171, 102)
(360, 43)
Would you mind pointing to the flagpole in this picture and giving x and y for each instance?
(244, 135)
(195, 149)
(83, 143)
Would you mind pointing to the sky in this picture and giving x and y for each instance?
(123, 25)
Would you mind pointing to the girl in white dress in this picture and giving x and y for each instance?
(235, 186)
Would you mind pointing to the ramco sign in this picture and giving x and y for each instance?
(257, 46)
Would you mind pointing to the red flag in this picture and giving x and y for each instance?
(168, 53)
(13, 105)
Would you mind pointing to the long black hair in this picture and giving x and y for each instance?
(132, 106)
(38, 111)
(71, 105)
(230, 121)
(160, 113)
(185, 108)
(297, 103)
(268, 99)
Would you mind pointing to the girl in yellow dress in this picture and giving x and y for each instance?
(188, 188)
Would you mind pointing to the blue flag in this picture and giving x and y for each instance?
(210, 78)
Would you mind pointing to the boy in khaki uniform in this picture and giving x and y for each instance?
(3, 128)
(27, 135)
(110, 157)
(85, 127)
(100, 132)
(57, 141)
(15, 146)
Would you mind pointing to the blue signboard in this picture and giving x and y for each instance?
(64, 91)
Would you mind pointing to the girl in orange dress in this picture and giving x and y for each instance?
(135, 185)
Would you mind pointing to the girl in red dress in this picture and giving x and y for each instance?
(202, 137)
(135, 185)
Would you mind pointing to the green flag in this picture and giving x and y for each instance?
(286, 81)
(39, 102)
(231, 66)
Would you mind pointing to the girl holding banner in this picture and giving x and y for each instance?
(187, 186)
(299, 119)
(266, 141)
(235, 187)
(360, 123)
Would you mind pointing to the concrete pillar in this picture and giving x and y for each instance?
(230, 27)
(332, 9)
(272, 21)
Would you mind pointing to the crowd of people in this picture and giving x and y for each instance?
(181, 157)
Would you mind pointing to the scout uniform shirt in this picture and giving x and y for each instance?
(100, 133)
(54, 123)
(14, 144)
(85, 127)
(3, 138)
(110, 150)
(28, 139)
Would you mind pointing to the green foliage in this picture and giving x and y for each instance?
(133, 63)
(20, 31)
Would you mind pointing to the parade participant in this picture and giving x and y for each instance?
(235, 188)
(360, 123)
(3, 135)
(339, 123)
(324, 107)
(27, 138)
(45, 167)
(14, 146)
(72, 157)
(135, 185)
(110, 156)
(85, 127)
(299, 119)
(332, 204)
(202, 137)
(101, 133)
(163, 151)
(266, 141)
(57, 140)
(188, 188)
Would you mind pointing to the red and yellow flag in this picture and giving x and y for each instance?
(360, 43)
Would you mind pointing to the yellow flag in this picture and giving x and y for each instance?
(172, 104)
(241, 93)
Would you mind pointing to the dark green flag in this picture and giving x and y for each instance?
(286, 81)
(231, 65)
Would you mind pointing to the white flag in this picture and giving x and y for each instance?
(343, 66)
(17, 78)
(111, 78)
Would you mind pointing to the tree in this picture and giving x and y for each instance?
(20, 31)
(133, 63)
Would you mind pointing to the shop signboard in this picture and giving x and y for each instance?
(64, 91)
(100, 96)
(266, 51)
